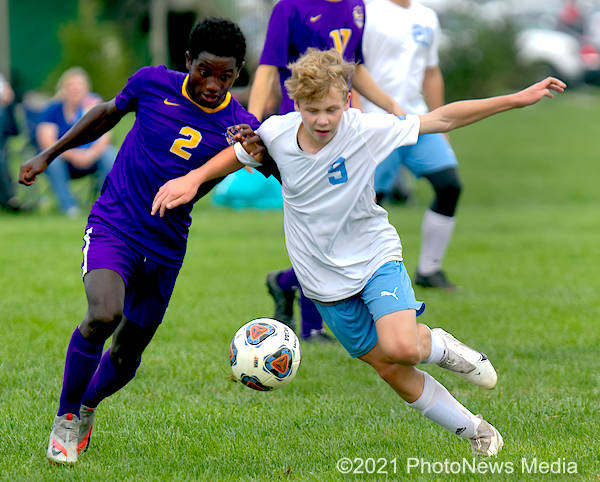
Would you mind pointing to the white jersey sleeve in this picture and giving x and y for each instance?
(245, 158)
(386, 132)
(266, 131)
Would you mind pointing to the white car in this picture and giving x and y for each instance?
(554, 51)
(541, 47)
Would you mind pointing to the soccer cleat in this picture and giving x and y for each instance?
(62, 447)
(86, 425)
(284, 300)
(434, 280)
(487, 440)
(318, 336)
(467, 363)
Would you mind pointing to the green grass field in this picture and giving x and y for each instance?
(525, 253)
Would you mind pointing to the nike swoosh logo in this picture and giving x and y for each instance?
(315, 18)
(169, 103)
(54, 451)
(390, 293)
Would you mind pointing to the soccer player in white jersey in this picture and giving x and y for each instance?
(346, 254)
(400, 47)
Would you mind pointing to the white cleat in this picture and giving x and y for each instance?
(86, 424)
(487, 440)
(467, 363)
(62, 447)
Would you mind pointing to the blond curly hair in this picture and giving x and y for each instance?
(316, 72)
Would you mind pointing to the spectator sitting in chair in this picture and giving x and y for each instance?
(73, 99)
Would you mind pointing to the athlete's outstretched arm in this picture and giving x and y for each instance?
(96, 122)
(182, 190)
(459, 114)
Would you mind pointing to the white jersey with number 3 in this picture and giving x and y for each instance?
(336, 235)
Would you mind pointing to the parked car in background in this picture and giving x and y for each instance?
(541, 46)
(590, 49)
(548, 50)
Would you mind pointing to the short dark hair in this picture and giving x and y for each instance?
(218, 36)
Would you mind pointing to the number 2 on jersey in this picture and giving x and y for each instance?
(190, 141)
(338, 169)
(340, 38)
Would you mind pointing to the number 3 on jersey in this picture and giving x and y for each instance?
(338, 171)
(190, 141)
(340, 38)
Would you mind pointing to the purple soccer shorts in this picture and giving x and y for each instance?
(148, 284)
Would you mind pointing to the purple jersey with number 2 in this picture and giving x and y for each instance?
(171, 136)
(296, 25)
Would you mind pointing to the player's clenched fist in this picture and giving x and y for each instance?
(30, 169)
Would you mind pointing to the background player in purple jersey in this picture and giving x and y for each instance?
(294, 26)
(131, 259)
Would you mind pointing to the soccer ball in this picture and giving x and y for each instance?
(264, 354)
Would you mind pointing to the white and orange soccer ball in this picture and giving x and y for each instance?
(264, 354)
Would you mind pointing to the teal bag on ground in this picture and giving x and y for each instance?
(248, 190)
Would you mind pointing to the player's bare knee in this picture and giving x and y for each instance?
(403, 353)
(100, 322)
(105, 316)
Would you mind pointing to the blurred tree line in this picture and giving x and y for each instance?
(97, 45)
(110, 39)
(478, 59)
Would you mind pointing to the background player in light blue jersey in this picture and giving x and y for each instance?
(346, 254)
(131, 259)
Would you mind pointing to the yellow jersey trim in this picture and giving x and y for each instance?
(209, 110)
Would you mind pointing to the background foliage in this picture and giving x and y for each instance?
(96, 45)
(479, 59)
(525, 254)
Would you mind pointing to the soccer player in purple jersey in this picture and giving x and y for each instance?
(294, 26)
(130, 258)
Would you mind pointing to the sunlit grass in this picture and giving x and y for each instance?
(525, 253)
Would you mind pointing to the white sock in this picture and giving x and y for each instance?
(438, 349)
(436, 232)
(439, 406)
